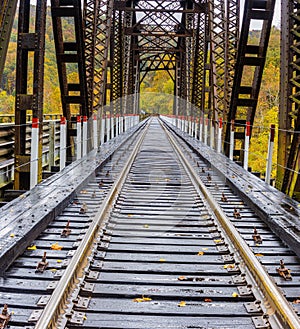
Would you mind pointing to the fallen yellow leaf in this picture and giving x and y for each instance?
(259, 255)
(59, 261)
(234, 294)
(162, 260)
(229, 266)
(141, 300)
(53, 269)
(129, 215)
(31, 247)
(12, 235)
(56, 246)
(218, 240)
(181, 278)
(146, 226)
(182, 304)
(200, 253)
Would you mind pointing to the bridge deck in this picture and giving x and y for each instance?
(161, 260)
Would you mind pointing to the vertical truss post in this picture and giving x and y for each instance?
(128, 59)
(217, 54)
(289, 112)
(31, 45)
(251, 58)
(200, 67)
(117, 56)
(69, 54)
(98, 19)
(224, 27)
(232, 27)
(92, 38)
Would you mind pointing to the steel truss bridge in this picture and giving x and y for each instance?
(202, 44)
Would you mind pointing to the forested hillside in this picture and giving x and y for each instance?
(155, 82)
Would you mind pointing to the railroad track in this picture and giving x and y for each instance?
(153, 246)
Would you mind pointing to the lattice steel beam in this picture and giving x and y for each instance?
(289, 114)
(117, 56)
(252, 58)
(224, 27)
(70, 53)
(200, 61)
(29, 92)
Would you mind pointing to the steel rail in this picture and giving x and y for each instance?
(285, 312)
(53, 309)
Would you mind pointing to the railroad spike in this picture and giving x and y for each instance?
(83, 208)
(256, 236)
(236, 213)
(208, 177)
(66, 231)
(42, 265)
(4, 317)
(223, 198)
(284, 271)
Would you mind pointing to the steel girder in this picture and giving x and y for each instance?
(97, 19)
(117, 56)
(289, 114)
(224, 31)
(252, 58)
(201, 65)
(70, 52)
(29, 88)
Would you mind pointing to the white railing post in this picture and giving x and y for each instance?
(219, 146)
(112, 127)
(270, 154)
(34, 156)
(95, 131)
(201, 129)
(107, 125)
(84, 136)
(212, 134)
(78, 139)
(117, 125)
(102, 130)
(190, 121)
(122, 124)
(205, 131)
(247, 143)
(195, 127)
(63, 143)
(231, 145)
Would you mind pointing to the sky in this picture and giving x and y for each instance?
(276, 19)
